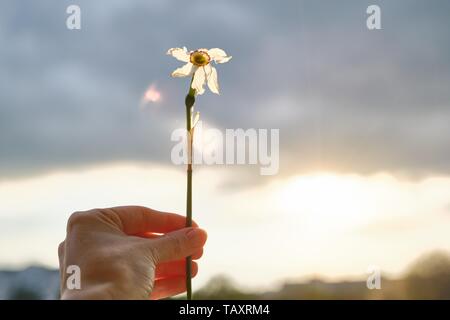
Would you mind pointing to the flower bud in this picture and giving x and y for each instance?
(190, 100)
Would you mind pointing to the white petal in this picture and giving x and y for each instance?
(213, 83)
(218, 55)
(199, 81)
(216, 52)
(184, 71)
(179, 53)
(208, 70)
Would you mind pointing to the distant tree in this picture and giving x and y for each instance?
(429, 277)
(222, 288)
(23, 293)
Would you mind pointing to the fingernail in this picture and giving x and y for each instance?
(196, 237)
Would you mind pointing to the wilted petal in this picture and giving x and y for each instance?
(213, 83)
(184, 71)
(218, 55)
(199, 80)
(207, 69)
(179, 53)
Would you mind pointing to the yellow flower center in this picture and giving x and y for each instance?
(200, 58)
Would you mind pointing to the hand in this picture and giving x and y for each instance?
(128, 253)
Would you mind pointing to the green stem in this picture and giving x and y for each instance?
(189, 101)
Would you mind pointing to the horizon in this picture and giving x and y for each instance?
(87, 118)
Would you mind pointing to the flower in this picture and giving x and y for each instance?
(199, 65)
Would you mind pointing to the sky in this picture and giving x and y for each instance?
(364, 175)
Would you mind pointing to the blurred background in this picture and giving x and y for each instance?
(86, 118)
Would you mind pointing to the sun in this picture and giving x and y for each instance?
(329, 202)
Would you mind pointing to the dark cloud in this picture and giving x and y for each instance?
(344, 98)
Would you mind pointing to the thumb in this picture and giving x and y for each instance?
(178, 244)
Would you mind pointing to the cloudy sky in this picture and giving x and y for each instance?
(363, 118)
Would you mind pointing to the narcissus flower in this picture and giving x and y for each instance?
(199, 66)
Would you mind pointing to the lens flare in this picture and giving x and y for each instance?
(151, 95)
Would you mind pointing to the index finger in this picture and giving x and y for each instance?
(137, 219)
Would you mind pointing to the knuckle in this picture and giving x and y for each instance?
(76, 218)
(177, 245)
(61, 249)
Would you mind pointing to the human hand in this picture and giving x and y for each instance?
(128, 253)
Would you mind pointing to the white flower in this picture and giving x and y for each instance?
(198, 65)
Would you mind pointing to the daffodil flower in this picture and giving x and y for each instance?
(199, 66)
